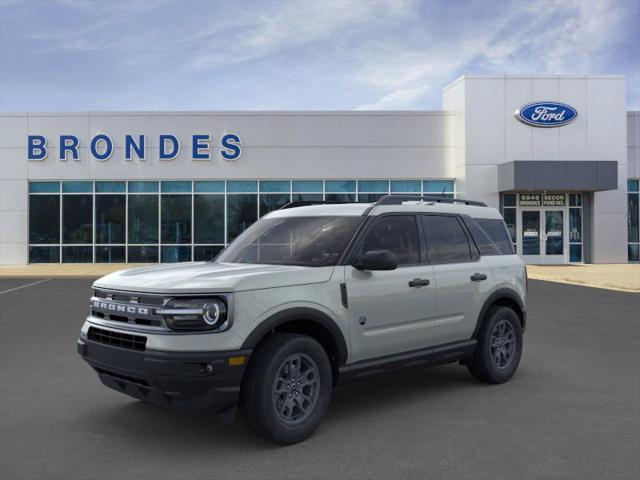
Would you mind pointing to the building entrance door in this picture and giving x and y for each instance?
(542, 234)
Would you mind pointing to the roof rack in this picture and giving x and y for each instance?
(306, 203)
(398, 199)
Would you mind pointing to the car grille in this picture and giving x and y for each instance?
(117, 339)
(117, 376)
(130, 308)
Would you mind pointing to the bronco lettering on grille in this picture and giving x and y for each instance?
(117, 307)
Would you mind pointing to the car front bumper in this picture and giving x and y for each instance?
(201, 381)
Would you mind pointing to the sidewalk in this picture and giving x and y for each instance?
(67, 270)
(621, 277)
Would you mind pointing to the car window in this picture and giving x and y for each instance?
(398, 233)
(446, 240)
(304, 241)
(495, 229)
(485, 244)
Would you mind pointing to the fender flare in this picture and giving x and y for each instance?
(501, 293)
(300, 313)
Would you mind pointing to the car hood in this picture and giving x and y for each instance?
(208, 277)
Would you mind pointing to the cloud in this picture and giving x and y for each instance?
(533, 37)
(396, 100)
(333, 54)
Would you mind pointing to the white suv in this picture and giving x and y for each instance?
(308, 297)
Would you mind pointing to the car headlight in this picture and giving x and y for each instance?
(196, 314)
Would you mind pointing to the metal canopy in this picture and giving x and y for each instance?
(585, 176)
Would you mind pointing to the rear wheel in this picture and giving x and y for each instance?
(287, 389)
(499, 346)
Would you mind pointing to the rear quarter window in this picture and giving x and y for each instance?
(491, 236)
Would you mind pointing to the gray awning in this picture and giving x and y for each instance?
(587, 176)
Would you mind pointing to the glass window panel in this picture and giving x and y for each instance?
(437, 186)
(44, 187)
(338, 186)
(307, 186)
(111, 187)
(110, 254)
(208, 218)
(77, 254)
(531, 232)
(632, 185)
(242, 186)
(398, 233)
(143, 187)
(575, 199)
(272, 201)
(274, 186)
(381, 186)
(177, 253)
(633, 252)
(341, 197)
(147, 254)
(176, 219)
(110, 219)
(209, 187)
(575, 253)
(77, 219)
(203, 253)
(77, 187)
(446, 240)
(143, 219)
(509, 200)
(44, 218)
(370, 197)
(44, 254)
(509, 215)
(307, 241)
(405, 186)
(632, 216)
(242, 211)
(575, 225)
(494, 229)
(181, 186)
(306, 197)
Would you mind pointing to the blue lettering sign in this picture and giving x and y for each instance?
(37, 147)
(200, 142)
(69, 143)
(164, 155)
(231, 147)
(108, 147)
(130, 144)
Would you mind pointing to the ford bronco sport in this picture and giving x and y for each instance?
(309, 297)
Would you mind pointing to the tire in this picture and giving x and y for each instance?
(496, 358)
(274, 406)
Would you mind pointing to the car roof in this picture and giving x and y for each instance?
(371, 209)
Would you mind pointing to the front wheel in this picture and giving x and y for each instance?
(287, 389)
(499, 346)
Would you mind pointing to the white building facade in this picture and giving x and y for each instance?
(142, 187)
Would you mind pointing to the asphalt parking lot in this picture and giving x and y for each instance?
(571, 411)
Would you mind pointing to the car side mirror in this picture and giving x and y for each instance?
(377, 260)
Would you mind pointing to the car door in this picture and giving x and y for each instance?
(389, 310)
(461, 277)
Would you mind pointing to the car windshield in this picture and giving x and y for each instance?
(305, 241)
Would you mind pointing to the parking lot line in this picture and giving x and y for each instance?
(25, 286)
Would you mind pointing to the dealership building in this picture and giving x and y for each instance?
(559, 155)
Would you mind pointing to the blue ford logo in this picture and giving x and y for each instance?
(546, 114)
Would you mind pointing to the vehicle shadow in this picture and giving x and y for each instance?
(151, 426)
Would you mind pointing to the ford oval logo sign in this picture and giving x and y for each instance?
(546, 114)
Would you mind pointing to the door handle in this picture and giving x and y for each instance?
(478, 277)
(419, 282)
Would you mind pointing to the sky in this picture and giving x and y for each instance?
(87, 55)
